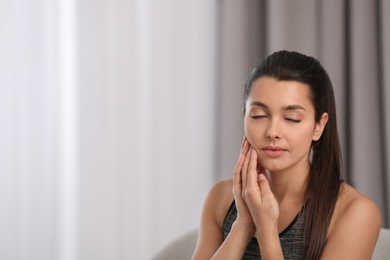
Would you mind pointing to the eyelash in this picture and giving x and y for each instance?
(288, 119)
(293, 120)
(254, 117)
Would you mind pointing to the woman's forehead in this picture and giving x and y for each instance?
(277, 93)
(266, 88)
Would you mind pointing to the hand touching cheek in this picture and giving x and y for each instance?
(257, 194)
(244, 218)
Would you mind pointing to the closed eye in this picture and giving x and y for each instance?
(293, 120)
(258, 116)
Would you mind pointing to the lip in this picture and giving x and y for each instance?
(274, 151)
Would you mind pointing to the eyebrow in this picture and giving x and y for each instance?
(286, 108)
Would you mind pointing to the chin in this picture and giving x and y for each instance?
(271, 167)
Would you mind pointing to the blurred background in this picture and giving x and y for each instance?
(118, 116)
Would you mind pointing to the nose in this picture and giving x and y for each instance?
(274, 130)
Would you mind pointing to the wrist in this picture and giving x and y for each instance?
(267, 235)
(267, 227)
(269, 244)
(243, 229)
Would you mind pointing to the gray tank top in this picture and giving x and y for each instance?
(291, 239)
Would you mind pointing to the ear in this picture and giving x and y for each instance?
(319, 127)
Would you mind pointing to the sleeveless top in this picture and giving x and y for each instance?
(291, 239)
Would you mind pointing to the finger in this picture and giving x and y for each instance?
(252, 169)
(245, 169)
(265, 189)
(240, 162)
(245, 147)
(238, 169)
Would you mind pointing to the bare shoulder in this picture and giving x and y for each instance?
(219, 199)
(353, 206)
(354, 227)
(216, 205)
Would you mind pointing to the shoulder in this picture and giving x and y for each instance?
(355, 225)
(354, 207)
(216, 205)
(222, 187)
(219, 200)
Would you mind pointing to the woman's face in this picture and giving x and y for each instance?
(280, 125)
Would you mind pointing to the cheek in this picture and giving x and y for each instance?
(251, 133)
(304, 138)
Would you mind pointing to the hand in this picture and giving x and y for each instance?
(257, 195)
(243, 215)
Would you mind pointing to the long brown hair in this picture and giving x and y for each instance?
(324, 179)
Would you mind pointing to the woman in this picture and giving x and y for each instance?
(288, 199)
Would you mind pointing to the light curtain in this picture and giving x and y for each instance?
(108, 125)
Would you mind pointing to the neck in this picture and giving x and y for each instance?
(289, 186)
